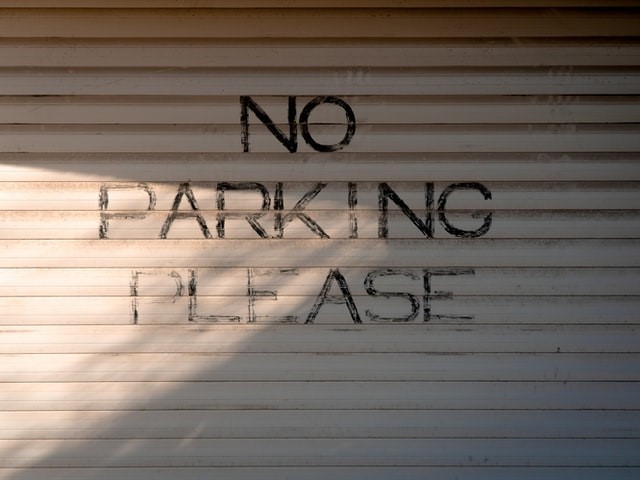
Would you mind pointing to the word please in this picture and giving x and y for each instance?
(186, 207)
(391, 294)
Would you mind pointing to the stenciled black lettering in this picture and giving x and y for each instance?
(134, 290)
(103, 203)
(304, 124)
(254, 295)
(352, 199)
(345, 299)
(385, 192)
(372, 291)
(193, 315)
(281, 221)
(278, 200)
(185, 190)
(247, 103)
(251, 218)
(429, 295)
(442, 207)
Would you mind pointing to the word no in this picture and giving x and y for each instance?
(290, 142)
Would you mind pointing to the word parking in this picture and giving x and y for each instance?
(185, 206)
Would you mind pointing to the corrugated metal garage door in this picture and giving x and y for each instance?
(394, 240)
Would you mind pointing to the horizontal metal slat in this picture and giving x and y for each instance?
(391, 367)
(340, 167)
(541, 224)
(268, 253)
(314, 473)
(367, 138)
(260, 338)
(308, 54)
(318, 22)
(326, 452)
(114, 282)
(314, 82)
(359, 423)
(320, 395)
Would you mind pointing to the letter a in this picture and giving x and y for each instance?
(324, 297)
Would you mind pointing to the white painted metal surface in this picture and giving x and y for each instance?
(426, 265)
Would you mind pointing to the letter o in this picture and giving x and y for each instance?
(351, 124)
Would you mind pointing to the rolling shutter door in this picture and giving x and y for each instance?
(261, 239)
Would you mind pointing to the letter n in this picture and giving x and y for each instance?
(290, 143)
